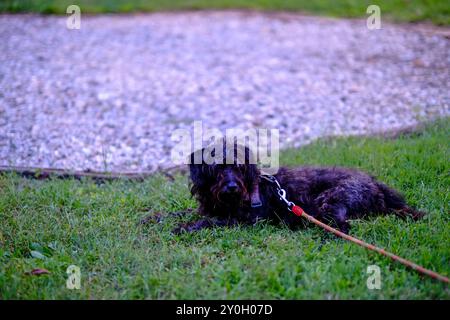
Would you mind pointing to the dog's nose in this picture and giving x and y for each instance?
(232, 187)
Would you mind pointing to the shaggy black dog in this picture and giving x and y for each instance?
(232, 193)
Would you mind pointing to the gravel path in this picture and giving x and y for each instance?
(108, 96)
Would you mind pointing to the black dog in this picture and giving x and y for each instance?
(234, 193)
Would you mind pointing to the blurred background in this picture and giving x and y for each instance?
(437, 11)
(108, 96)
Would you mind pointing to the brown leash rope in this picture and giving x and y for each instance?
(298, 211)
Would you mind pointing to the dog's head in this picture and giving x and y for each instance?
(227, 178)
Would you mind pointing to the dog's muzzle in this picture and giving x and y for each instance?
(231, 188)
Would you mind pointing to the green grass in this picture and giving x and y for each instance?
(436, 11)
(96, 228)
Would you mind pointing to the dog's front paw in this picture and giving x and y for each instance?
(180, 230)
(153, 218)
(187, 228)
(193, 226)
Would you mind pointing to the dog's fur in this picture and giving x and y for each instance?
(331, 194)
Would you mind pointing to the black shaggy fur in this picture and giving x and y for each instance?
(331, 194)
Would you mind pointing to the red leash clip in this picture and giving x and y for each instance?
(297, 210)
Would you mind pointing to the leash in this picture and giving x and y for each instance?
(298, 211)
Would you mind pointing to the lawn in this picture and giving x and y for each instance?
(52, 224)
(436, 11)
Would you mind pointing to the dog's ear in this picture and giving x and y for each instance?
(195, 165)
(251, 169)
(251, 175)
(198, 171)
